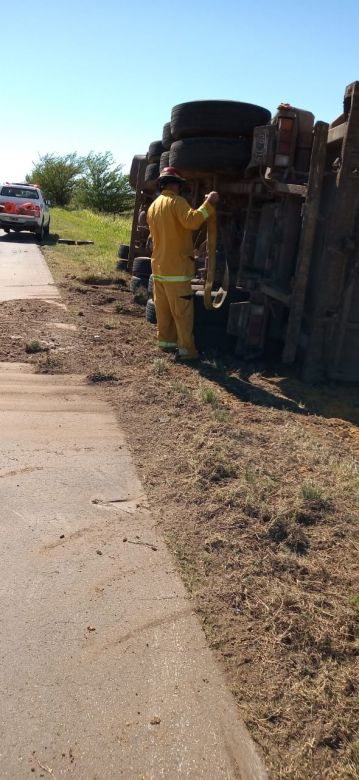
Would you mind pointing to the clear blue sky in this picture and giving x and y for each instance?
(82, 75)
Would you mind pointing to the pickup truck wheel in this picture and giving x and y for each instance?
(216, 118)
(47, 229)
(212, 155)
(40, 232)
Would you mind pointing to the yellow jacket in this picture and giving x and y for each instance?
(171, 221)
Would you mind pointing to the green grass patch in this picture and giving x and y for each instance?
(354, 602)
(310, 491)
(98, 259)
(208, 396)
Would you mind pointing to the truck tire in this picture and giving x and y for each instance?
(216, 118)
(165, 160)
(123, 251)
(152, 172)
(136, 283)
(134, 169)
(122, 265)
(167, 138)
(151, 312)
(155, 150)
(150, 286)
(141, 267)
(213, 155)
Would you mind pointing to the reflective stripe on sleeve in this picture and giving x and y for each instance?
(203, 211)
(172, 278)
(166, 344)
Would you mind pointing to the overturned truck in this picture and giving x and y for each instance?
(286, 260)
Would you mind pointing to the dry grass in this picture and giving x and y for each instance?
(262, 520)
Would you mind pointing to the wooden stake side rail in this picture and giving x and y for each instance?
(258, 187)
(311, 211)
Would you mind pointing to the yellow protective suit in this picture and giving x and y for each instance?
(171, 221)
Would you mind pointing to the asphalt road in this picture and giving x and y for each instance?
(104, 669)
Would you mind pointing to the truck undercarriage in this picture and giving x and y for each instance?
(287, 238)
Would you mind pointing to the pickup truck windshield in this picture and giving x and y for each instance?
(19, 192)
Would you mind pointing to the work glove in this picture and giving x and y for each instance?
(212, 198)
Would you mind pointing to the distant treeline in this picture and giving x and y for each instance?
(94, 182)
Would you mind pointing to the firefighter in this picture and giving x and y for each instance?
(171, 221)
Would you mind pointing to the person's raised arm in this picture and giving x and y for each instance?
(192, 219)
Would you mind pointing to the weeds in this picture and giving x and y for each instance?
(122, 308)
(181, 388)
(354, 602)
(50, 364)
(102, 376)
(310, 491)
(97, 279)
(220, 415)
(208, 396)
(33, 346)
(160, 367)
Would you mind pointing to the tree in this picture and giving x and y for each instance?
(103, 186)
(57, 176)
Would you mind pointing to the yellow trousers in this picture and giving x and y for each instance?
(174, 309)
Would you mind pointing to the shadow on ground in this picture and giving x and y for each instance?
(263, 387)
(28, 238)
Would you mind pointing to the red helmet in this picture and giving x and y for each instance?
(170, 174)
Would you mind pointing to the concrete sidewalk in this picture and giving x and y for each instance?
(23, 270)
(105, 672)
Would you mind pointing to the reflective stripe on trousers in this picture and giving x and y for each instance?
(172, 278)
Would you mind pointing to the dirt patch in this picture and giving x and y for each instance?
(258, 498)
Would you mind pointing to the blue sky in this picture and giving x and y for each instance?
(88, 75)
